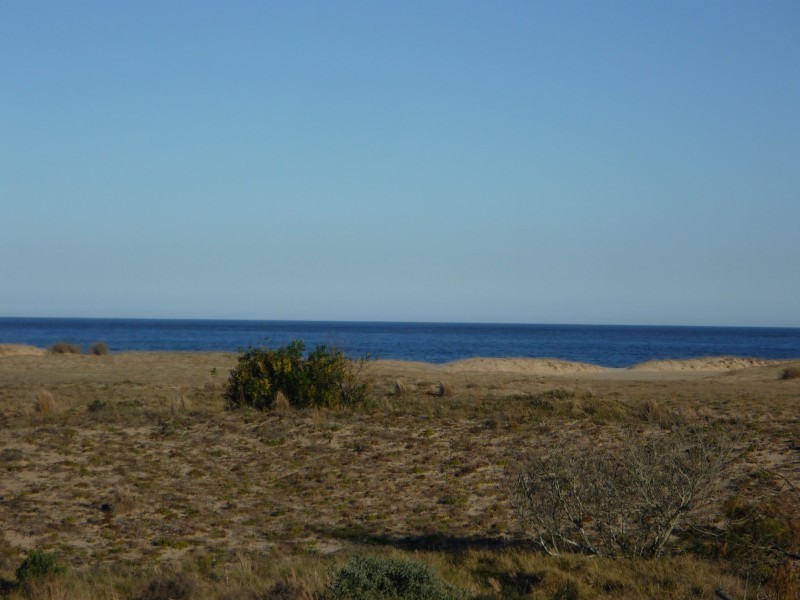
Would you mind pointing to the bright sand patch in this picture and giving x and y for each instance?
(709, 363)
(523, 366)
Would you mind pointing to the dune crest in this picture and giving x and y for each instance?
(20, 350)
(521, 365)
(708, 363)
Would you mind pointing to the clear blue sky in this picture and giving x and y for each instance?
(560, 162)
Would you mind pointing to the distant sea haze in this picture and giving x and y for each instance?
(606, 345)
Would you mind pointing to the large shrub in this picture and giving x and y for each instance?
(371, 578)
(621, 499)
(325, 377)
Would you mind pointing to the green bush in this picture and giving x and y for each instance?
(325, 378)
(370, 578)
(38, 564)
(63, 347)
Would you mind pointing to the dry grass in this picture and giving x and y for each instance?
(127, 476)
(98, 349)
(400, 388)
(43, 402)
(281, 404)
(63, 347)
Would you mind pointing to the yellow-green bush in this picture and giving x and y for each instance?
(324, 377)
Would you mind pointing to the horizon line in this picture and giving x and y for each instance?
(397, 322)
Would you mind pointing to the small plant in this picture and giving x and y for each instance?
(169, 586)
(43, 402)
(442, 389)
(98, 349)
(281, 403)
(290, 589)
(791, 373)
(96, 405)
(38, 565)
(371, 578)
(63, 347)
(325, 378)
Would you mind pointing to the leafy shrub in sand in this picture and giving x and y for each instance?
(371, 578)
(323, 378)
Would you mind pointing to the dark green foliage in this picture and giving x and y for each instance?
(38, 564)
(370, 578)
(325, 378)
(63, 347)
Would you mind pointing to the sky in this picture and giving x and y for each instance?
(531, 162)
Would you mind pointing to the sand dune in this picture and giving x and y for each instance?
(20, 350)
(708, 363)
(531, 366)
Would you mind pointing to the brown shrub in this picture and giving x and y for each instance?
(442, 389)
(63, 347)
(291, 589)
(650, 411)
(169, 586)
(98, 349)
(623, 499)
(791, 373)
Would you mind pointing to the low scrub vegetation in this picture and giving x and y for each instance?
(629, 488)
(98, 349)
(372, 578)
(63, 347)
(791, 373)
(625, 498)
(38, 565)
(323, 378)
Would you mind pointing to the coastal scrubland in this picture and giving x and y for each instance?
(130, 477)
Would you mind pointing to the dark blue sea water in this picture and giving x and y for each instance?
(608, 345)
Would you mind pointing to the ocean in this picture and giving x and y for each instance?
(606, 345)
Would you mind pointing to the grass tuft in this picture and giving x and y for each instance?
(43, 402)
(169, 586)
(62, 347)
(442, 389)
(98, 349)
